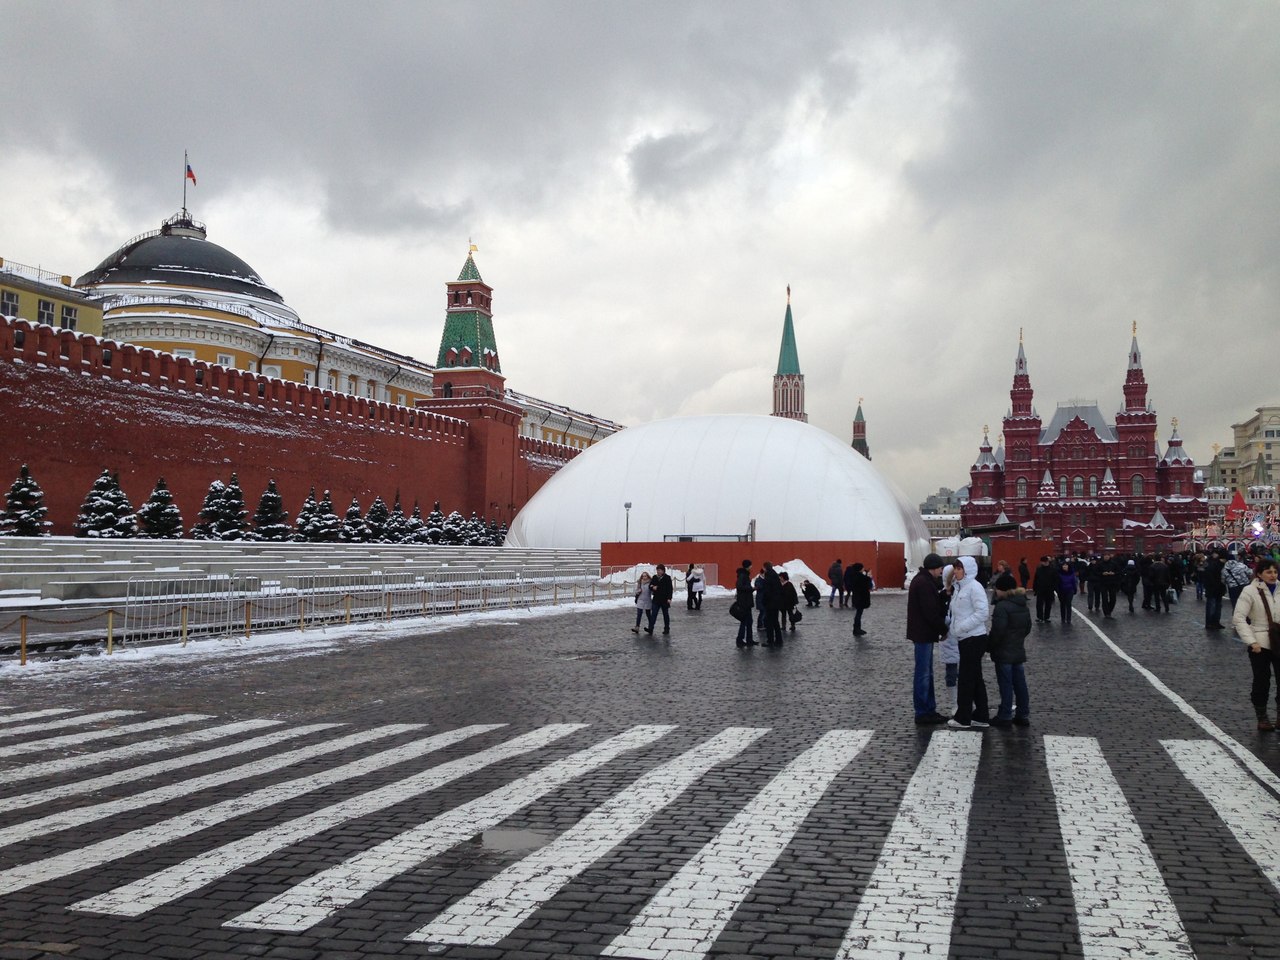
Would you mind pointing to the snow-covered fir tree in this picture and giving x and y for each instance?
(222, 516)
(106, 512)
(327, 524)
(415, 527)
(24, 509)
(354, 529)
(495, 535)
(206, 528)
(270, 522)
(397, 529)
(306, 518)
(233, 511)
(474, 532)
(455, 529)
(159, 518)
(435, 525)
(376, 519)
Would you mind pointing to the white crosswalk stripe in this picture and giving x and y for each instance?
(306, 904)
(147, 770)
(65, 820)
(47, 768)
(77, 739)
(907, 910)
(1120, 898)
(506, 901)
(60, 722)
(1249, 811)
(32, 714)
(684, 918)
(907, 907)
(137, 898)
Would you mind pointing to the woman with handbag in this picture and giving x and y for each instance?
(1257, 622)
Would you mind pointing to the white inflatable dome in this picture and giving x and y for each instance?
(714, 475)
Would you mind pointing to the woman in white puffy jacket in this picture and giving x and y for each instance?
(969, 611)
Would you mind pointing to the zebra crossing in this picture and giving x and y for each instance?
(906, 909)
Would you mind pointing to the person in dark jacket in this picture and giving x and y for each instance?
(1130, 578)
(1024, 573)
(858, 586)
(926, 623)
(1215, 589)
(1160, 585)
(1093, 583)
(1010, 624)
(662, 589)
(812, 595)
(1067, 588)
(1045, 586)
(790, 600)
(772, 593)
(835, 576)
(1109, 584)
(742, 600)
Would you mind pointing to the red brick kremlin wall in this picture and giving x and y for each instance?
(71, 405)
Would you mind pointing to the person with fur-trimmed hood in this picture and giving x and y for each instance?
(1010, 624)
(968, 622)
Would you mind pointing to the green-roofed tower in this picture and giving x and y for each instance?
(860, 432)
(468, 341)
(788, 382)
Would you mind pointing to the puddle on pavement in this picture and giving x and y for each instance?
(506, 840)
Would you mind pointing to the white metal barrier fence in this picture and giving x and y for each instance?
(240, 605)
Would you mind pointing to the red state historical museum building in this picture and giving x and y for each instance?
(1081, 482)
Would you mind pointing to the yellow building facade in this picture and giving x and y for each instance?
(38, 296)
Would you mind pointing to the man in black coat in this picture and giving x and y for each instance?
(858, 586)
(926, 623)
(662, 589)
(1024, 573)
(1045, 587)
(1214, 590)
(772, 592)
(743, 601)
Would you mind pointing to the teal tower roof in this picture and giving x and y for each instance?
(468, 339)
(788, 359)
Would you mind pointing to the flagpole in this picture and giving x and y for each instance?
(184, 183)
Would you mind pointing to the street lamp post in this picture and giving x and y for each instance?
(627, 507)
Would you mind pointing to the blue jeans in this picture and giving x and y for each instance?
(922, 688)
(1012, 680)
(1212, 610)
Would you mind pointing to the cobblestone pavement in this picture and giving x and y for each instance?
(557, 786)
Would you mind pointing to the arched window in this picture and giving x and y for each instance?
(1077, 487)
(447, 390)
(1062, 486)
(1136, 486)
(1093, 486)
(1022, 486)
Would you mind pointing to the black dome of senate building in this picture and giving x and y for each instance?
(179, 254)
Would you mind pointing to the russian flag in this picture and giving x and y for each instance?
(191, 174)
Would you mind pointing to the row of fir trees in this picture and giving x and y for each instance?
(107, 513)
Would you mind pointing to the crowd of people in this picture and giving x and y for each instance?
(773, 602)
(948, 607)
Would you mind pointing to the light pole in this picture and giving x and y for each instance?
(627, 507)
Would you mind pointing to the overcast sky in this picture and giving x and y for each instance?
(644, 179)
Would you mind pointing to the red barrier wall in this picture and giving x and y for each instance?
(1012, 551)
(73, 405)
(885, 560)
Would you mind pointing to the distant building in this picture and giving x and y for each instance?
(788, 382)
(941, 525)
(1250, 460)
(38, 296)
(1081, 481)
(945, 501)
